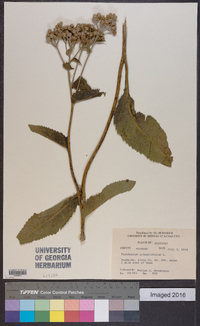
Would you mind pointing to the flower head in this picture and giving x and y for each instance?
(106, 23)
(83, 34)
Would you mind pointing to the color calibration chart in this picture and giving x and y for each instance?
(95, 301)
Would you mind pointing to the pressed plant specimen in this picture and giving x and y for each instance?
(141, 133)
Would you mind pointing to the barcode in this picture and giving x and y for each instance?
(17, 272)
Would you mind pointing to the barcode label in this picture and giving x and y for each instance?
(16, 272)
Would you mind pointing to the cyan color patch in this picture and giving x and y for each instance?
(27, 316)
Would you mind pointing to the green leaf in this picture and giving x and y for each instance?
(48, 222)
(51, 134)
(143, 134)
(107, 193)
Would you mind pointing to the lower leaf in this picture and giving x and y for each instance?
(51, 134)
(48, 222)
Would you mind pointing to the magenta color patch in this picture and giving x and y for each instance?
(86, 316)
(86, 305)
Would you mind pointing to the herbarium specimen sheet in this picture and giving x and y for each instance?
(114, 56)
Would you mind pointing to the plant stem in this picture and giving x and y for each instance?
(81, 191)
(78, 191)
(86, 60)
(82, 236)
(69, 150)
(81, 51)
(126, 66)
(60, 55)
(69, 134)
(110, 116)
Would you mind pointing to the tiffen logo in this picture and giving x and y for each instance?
(29, 291)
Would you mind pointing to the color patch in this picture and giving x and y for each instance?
(131, 316)
(12, 316)
(27, 316)
(42, 316)
(86, 305)
(101, 310)
(57, 316)
(12, 305)
(72, 316)
(42, 305)
(27, 305)
(116, 305)
(116, 316)
(86, 316)
(71, 305)
(57, 305)
(131, 305)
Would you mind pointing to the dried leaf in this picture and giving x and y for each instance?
(84, 92)
(51, 134)
(48, 222)
(144, 135)
(67, 66)
(86, 95)
(107, 193)
(69, 51)
(83, 85)
(76, 60)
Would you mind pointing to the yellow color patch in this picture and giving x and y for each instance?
(57, 316)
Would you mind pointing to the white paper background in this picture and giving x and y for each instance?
(162, 72)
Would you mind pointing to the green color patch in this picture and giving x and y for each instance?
(42, 316)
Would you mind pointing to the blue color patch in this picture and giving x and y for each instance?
(12, 317)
